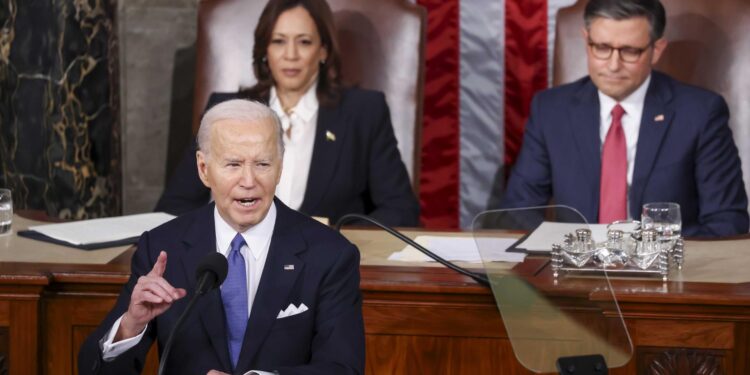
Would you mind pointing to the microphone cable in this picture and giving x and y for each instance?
(478, 277)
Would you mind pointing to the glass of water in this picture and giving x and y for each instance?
(6, 211)
(665, 219)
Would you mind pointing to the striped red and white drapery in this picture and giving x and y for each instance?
(439, 173)
(485, 59)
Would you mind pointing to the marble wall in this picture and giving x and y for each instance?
(60, 106)
(95, 101)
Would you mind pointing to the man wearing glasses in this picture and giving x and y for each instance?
(626, 135)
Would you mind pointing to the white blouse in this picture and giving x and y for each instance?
(299, 137)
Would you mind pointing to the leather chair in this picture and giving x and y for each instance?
(709, 46)
(381, 43)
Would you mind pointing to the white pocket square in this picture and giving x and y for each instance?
(292, 310)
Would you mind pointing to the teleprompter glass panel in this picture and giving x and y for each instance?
(548, 318)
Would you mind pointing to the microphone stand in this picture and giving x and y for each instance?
(593, 364)
(478, 277)
(199, 291)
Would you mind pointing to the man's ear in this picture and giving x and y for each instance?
(281, 169)
(659, 46)
(202, 165)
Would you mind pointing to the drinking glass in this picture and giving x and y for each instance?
(665, 219)
(6, 211)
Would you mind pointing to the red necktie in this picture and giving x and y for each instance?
(613, 191)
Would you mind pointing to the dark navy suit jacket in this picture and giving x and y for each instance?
(361, 171)
(326, 339)
(685, 154)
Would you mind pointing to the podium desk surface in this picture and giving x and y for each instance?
(708, 263)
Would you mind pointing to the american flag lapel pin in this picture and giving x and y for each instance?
(659, 118)
(330, 136)
(289, 267)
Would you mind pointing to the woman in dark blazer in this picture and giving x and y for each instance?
(354, 166)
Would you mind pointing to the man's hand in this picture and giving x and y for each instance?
(151, 297)
(214, 372)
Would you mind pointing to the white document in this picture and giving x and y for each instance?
(103, 230)
(542, 238)
(461, 249)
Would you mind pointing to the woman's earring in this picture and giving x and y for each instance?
(264, 59)
(322, 62)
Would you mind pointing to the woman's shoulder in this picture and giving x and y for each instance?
(357, 94)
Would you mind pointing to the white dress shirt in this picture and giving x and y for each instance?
(631, 124)
(298, 145)
(255, 251)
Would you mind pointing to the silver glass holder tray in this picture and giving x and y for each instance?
(670, 256)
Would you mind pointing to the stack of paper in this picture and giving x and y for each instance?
(542, 238)
(460, 249)
(98, 233)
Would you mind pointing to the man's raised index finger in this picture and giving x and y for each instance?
(160, 266)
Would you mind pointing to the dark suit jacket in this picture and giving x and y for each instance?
(360, 172)
(689, 157)
(326, 339)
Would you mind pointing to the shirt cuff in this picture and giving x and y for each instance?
(256, 372)
(111, 350)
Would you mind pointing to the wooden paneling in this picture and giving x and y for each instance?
(432, 319)
(4, 313)
(4, 349)
(742, 347)
(707, 335)
(406, 354)
(67, 320)
(24, 336)
(677, 326)
(417, 319)
(20, 295)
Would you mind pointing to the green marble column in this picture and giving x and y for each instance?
(59, 106)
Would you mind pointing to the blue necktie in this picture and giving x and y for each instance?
(234, 295)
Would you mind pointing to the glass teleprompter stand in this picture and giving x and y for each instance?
(552, 327)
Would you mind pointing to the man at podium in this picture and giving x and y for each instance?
(291, 299)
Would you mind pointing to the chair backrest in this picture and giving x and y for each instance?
(381, 43)
(709, 46)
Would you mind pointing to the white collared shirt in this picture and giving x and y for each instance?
(298, 146)
(255, 251)
(631, 123)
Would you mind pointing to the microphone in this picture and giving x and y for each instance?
(210, 273)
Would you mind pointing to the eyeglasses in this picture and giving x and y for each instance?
(627, 54)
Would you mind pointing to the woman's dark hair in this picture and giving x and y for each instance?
(329, 82)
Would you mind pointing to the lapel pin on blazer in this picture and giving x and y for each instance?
(330, 136)
(659, 118)
(289, 267)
